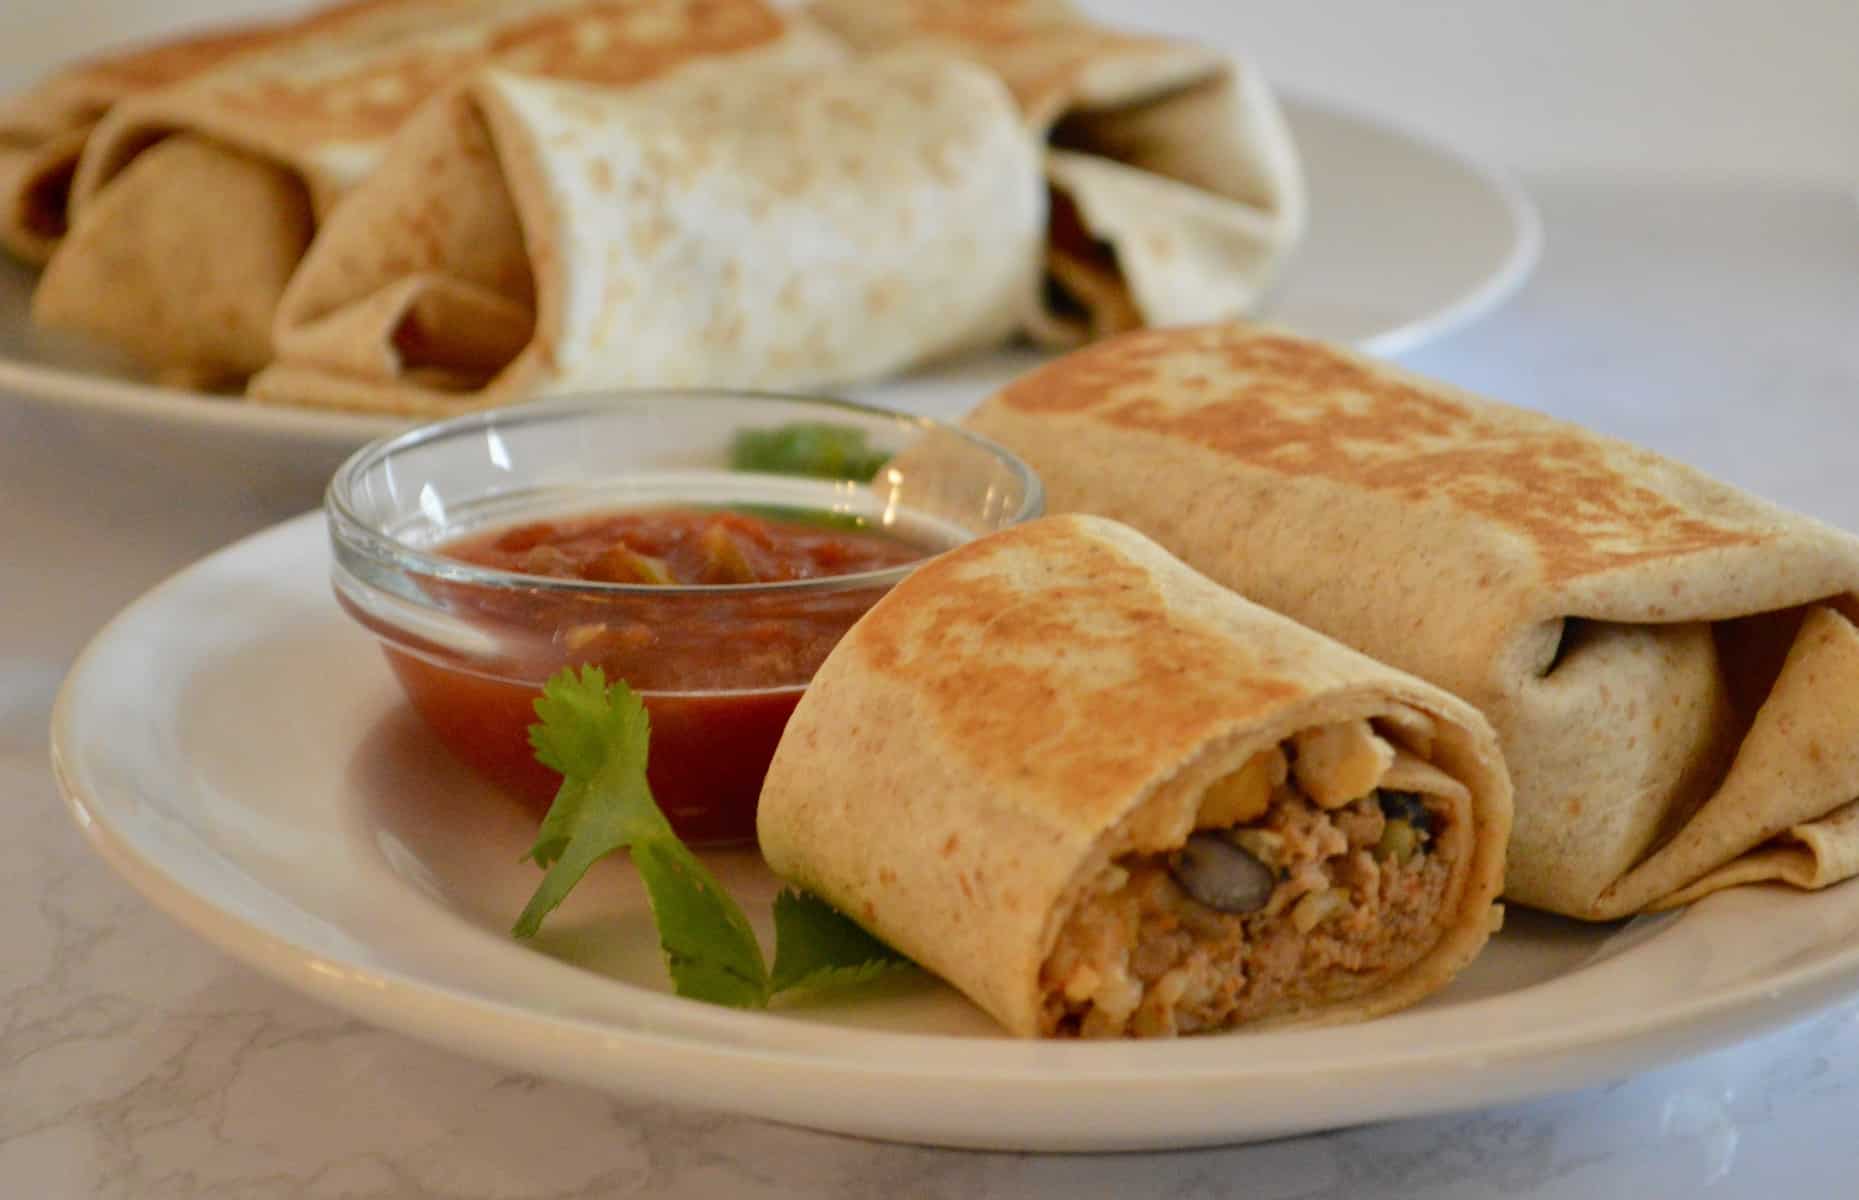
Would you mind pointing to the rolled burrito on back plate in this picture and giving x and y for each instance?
(1106, 797)
(43, 130)
(193, 203)
(1176, 194)
(783, 226)
(1671, 664)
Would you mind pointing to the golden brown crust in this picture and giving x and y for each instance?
(1577, 498)
(998, 708)
(604, 44)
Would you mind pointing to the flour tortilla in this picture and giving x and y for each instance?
(275, 136)
(1024, 710)
(1672, 665)
(1176, 191)
(790, 225)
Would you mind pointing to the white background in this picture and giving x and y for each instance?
(1728, 86)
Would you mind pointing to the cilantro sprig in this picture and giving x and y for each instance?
(598, 735)
(820, 449)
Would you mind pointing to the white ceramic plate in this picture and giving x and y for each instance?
(236, 749)
(1407, 241)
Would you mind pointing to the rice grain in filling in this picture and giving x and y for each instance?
(1140, 957)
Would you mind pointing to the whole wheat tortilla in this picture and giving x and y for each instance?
(1176, 191)
(798, 223)
(44, 129)
(1025, 710)
(1671, 664)
(274, 136)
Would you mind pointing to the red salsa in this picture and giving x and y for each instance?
(720, 670)
(685, 546)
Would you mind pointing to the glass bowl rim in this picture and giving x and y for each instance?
(353, 532)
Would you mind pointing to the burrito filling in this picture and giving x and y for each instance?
(45, 206)
(1313, 873)
(1084, 285)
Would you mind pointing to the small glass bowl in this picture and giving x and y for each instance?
(472, 645)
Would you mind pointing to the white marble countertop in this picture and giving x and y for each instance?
(1714, 316)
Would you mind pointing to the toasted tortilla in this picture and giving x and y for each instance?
(1176, 191)
(1671, 664)
(1030, 710)
(789, 223)
(285, 130)
(43, 130)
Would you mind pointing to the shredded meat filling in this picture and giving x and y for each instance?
(1355, 889)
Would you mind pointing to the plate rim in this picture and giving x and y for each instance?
(1526, 219)
(1538, 1061)
(189, 409)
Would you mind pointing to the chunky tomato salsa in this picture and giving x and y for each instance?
(684, 546)
(720, 669)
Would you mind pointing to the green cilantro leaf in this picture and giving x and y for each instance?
(823, 517)
(818, 449)
(596, 734)
(581, 723)
(709, 948)
(596, 737)
(817, 946)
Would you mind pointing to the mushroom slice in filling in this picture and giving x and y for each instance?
(1314, 871)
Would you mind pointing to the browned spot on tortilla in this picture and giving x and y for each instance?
(882, 296)
(1032, 635)
(620, 43)
(1039, 49)
(1300, 409)
(845, 111)
(981, 22)
(610, 43)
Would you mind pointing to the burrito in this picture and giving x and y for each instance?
(798, 224)
(193, 204)
(1105, 797)
(43, 130)
(1670, 664)
(1176, 195)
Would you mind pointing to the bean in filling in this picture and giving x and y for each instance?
(1302, 904)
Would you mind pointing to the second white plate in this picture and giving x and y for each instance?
(1407, 241)
(237, 749)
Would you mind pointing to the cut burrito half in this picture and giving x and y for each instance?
(1105, 797)
(193, 203)
(1671, 664)
(789, 225)
(1176, 194)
